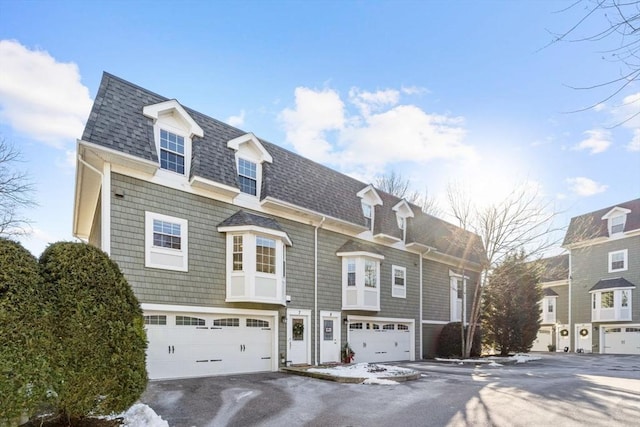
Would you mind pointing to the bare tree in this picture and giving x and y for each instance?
(618, 20)
(522, 221)
(394, 183)
(16, 192)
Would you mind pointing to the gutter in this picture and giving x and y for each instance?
(420, 335)
(315, 290)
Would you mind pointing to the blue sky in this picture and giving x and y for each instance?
(437, 91)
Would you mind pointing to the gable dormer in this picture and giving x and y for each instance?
(369, 198)
(403, 211)
(250, 155)
(173, 130)
(616, 219)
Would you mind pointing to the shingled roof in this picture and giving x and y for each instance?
(554, 268)
(591, 225)
(117, 122)
(618, 282)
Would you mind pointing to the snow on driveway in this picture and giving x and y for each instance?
(372, 373)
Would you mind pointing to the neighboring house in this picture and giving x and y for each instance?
(246, 257)
(604, 275)
(554, 313)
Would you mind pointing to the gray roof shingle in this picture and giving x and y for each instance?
(618, 282)
(245, 218)
(591, 225)
(116, 121)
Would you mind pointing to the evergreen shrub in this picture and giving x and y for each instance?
(450, 345)
(24, 336)
(101, 341)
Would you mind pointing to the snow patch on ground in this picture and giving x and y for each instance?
(493, 360)
(364, 370)
(141, 415)
(379, 381)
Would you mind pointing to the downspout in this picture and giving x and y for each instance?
(571, 327)
(315, 290)
(420, 336)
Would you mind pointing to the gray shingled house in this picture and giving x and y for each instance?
(246, 256)
(554, 313)
(604, 272)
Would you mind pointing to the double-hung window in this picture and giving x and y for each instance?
(367, 212)
(172, 151)
(617, 224)
(265, 255)
(166, 242)
(247, 176)
(618, 261)
(611, 305)
(549, 309)
(398, 285)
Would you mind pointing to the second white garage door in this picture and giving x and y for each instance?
(185, 345)
(621, 339)
(376, 341)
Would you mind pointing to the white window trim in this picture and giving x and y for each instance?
(360, 289)
(453, 297)
(151, 250)
(625, 252)
(398, 291)
(249, 269)
(248, 147)
(547, 317)
(596, 299)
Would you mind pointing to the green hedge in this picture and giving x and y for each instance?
(449, 342)
(25, 340)
(101, 341)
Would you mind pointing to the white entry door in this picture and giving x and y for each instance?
(584, 341)
(329, 336)
(563, 336)
(298, 333)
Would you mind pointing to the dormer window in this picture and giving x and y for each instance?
(616, 224)
(616, 219)
(250, 156)
(171, 152)
(402, 222)
(174, 130)
(403, 211)
(367, 212)
(247, 175)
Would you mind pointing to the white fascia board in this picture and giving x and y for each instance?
(154, 111)
(206, 310)
(435, 322)
(215, 187)
(563, 282)
(370, 189)
(360, 254)
(615, 212)
(453, 261)
(118, 157)
(420, 248)
(250, 138)
(256, 229)
(603, 239)
(387, 237)
(612, 289)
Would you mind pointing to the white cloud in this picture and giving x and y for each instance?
(585, 187)
(414, 90)
(315, 113)
(380, 131)
(599, 107)
(634, 144)
(41, 97)
(597, 141)
(238, 120)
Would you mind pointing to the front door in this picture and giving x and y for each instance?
(584, 341)
(329, 336)
(298, 333)
(563, 336)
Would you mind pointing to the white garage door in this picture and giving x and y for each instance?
(543, 340)
(195, 345)
(374, 341)
(621, 339)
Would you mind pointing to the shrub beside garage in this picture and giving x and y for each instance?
(25, 338)
(72, 334)
(450, 341)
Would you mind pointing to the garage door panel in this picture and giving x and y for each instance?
(380, 342)
(209, 345)
(621, 339)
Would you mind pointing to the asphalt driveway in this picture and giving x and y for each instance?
(559, 390)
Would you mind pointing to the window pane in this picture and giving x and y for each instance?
(237, 253)
(265, 255)
(625, 299)
(328, 330)
(398, 277)
(171, 152)
(370, 274)
(606, 299)
(351, 272)
(166, 234)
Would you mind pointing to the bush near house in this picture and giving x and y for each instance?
(100, 337)
(450, 341)
(24, 337)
